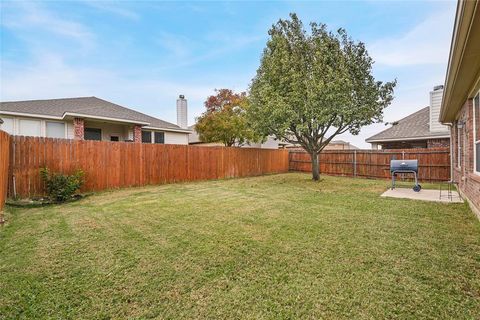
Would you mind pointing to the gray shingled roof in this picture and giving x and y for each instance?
(90, 106)
(412, 126)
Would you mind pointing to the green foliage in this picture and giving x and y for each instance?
(61, 187)
(313, 86)
(225, 119)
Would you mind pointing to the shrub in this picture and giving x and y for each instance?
(61, 187)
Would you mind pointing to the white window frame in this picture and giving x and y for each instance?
(65, 133)
(459, 145)
(118, 135)
(475, 142)
(40, 121)
(151, 136)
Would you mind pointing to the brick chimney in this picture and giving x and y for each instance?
(182, 121)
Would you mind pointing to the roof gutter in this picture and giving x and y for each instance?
(71, 114)
(32, 115)
(408, 139)
(168, 129)
(450, 125)
(463, 60)
(80, 115)
(145, 125)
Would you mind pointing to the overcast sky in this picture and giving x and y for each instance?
(142, 55)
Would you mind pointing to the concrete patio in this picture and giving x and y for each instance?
(425, 195)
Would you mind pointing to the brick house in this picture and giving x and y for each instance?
(91, 118)
(461, 101)
(418, 130)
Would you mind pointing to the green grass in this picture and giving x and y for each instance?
(268, 247)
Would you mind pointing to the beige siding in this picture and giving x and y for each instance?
(70, 132)
(435, 104)
(125, 132)
(109, 129)
(176, 138)
(28, 126)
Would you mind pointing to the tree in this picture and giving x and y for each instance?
(225, 119)
(313, 86)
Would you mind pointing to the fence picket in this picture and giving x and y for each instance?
(434, 164)
(110, 165)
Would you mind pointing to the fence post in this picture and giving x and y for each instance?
(403, 155)
(354, 163)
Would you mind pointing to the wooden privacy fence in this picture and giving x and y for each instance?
(434, 164)
(4, 158)
(109, 165)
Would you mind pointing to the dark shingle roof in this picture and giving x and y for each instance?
(412, 126)
(90, 106)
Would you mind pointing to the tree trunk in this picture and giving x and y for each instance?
(315, 168)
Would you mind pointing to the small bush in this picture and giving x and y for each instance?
(61, 187)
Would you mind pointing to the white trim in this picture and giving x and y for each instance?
(152, 136)
(31, 115)
(115, 135)
(80, 115)
(409, 139)
(65, 135)
(41, 123)
(146, 125)
(168, 129)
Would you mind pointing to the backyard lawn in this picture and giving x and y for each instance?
(277, 246)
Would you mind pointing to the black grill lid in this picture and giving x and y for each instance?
(400, 165)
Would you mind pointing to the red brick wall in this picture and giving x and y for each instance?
(438, 143)
(78, 128)
(468, 181)
(137, 133)
(404, 144)
(431, 143)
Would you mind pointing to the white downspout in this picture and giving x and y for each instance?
(450, 125)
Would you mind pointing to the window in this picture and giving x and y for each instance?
(459, 143)
(114, 138)
(7, 125)
(55, 129)
(476, 133)
(159, 137)
(27, 127)
(92, 134)
(146, 136)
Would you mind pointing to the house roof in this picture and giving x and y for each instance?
(85, 106)
(342, 142)
(411, 127)
(461, 82)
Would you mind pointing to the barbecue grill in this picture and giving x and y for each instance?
(405, 166)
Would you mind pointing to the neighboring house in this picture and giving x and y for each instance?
(333, 145)
(461, 101)
(418, 130)
(340, 145)
(194, 139)
(91, 118)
